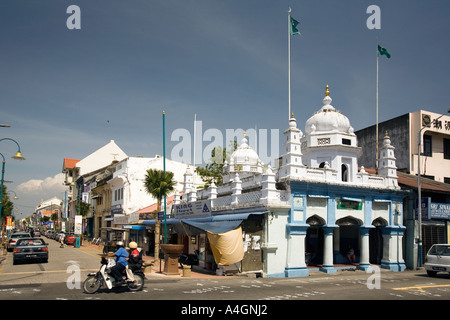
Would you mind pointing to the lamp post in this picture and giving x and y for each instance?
(17, 156)
(164, 167)
(419, 189)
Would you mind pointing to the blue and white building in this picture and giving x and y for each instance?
(317, 202)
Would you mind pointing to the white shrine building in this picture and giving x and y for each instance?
(315, 204)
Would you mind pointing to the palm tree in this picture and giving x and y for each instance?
(159, 184)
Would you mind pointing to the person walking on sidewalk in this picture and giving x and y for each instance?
(61, 240)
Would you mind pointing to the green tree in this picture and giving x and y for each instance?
(213, 170)
(158, 183)
(7, 206)
(54, 218)
(83, 208)
(45, 219)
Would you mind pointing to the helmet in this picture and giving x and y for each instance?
(132, 245)
(119, 243)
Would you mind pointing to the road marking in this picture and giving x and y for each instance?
(41, 272)
(97, 255)
(421, 288)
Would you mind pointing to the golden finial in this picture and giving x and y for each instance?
(245, 134)
(327, 92)
(292, 115)
(386, 134)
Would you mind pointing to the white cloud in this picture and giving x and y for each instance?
(50, 185)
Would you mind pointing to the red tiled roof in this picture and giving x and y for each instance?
(409, 180)
(153, 207)
(70, 163)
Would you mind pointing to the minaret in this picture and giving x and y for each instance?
(292, 156)
(387, 163)
(188, 183)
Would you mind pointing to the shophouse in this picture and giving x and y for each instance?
(79, 173)
(129, 195)
(50, 209)
(428, 132)
(308, 211)
(405, 130)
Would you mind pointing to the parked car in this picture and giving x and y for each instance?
(13, 239)
(71, 238)
(438, 259)
(49, 233)
(30, 249)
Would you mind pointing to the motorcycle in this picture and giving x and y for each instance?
(189, 259)
(96, 280)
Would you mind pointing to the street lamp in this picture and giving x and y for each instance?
(17, 156)
(419, 189)
(15, 195)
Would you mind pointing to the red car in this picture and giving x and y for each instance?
(71, 238)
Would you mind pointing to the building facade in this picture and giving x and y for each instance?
(434, 130)
(310, 210)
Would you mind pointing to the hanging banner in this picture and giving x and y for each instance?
(228, 247)
(78, 224)
(9, 223)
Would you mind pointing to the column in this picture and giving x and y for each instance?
(295, 262)
(393, 248)
(328, 266)
(364, 259)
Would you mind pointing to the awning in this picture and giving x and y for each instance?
(220, 223)
(152, 222)
(214, 227)
(135, 227)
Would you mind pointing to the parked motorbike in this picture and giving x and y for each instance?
(96, 280)
(189, 259)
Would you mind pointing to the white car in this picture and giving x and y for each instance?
(438, 259)
(11, 244)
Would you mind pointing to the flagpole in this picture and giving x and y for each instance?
(289, 60)
(195, 137)
(164, 166)
(376, 133)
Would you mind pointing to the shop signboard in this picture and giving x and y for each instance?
(434, 210)
(440, 210)
(196, 209)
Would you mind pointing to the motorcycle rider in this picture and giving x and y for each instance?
(135, 257)
(121, 263)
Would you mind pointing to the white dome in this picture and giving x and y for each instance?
(244, 154)
(328, 119)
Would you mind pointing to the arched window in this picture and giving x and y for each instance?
(344, 173)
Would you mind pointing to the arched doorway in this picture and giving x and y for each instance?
(314, 241)
(376, 241)
(349, 236)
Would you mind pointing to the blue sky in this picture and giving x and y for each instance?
(67, 93)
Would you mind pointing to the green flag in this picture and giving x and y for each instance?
(294, 29)
(383, 51)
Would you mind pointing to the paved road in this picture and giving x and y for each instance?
(57, 280)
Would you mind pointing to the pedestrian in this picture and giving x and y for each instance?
(351, 254)
(61, 239)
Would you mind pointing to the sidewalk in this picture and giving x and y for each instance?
(154, 271)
